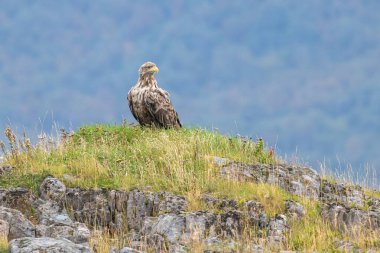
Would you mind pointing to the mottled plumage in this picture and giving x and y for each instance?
(149, 104)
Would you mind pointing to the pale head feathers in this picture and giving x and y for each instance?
(148, 68)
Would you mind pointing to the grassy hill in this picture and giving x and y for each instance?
(182, 162)
(303, 75)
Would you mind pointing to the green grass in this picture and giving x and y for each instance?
(119, 157)
(372, 193)
(29, 181)
(309, 232)
(3, 244)
(111, 156)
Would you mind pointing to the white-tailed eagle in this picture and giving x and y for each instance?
(149, 104)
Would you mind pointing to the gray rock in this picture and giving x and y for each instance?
(177, 229)
(118, 209)
(168, 228)
(256, 214)
(294, 209)
(345, 246)
(4, 228)
(297, 180)
(296, 188)
(230, 224)
(177, 248)
(51, 212)
(81, 233)
(277, 228)
(93, 207)
(18, 198)
(5, 169)
(344, 194)
(77, 232)
(19, 226)
(130, 250)
(212, 241)
(350, 219)
(197, 224)
(220, 161)
(257, 248)
(46, 245)
(170, 203)
(114, 250)
(52, 189)
(220, 204)
(182, 229)
(214, 244)
(139, 206)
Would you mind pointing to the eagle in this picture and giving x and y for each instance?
(149, 104)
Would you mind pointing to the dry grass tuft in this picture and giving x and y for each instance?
(3, 244)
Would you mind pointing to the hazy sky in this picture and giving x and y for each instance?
(302, 74)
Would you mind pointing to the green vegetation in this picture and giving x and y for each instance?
(3, 244)
(120, 157)
(111, 156)
(24, 180)
(250, 67)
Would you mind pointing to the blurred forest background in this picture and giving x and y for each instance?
(304, 75)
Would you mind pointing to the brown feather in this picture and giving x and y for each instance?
(149, 104)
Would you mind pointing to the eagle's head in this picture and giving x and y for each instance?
(148, 68)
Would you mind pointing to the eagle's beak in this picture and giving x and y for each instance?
(154, 69)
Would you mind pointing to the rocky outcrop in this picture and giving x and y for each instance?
(172, 230)
(295, 210)
(351, 219)
(52, 189)
(350, 195)
(301, 181)
(50, 218)
(46, 245)
(76, 232)
(161, 220)
(18, 225)
(18, 198)
(119, 209)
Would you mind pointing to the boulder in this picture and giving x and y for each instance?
(351, 219)
(344, 194)
(46, 245)
(294, 210)
(52, 189)
(51, 212)
(301, 181)
(18, 198)
(19, 226)
(77, 232)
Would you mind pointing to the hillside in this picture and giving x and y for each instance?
(304, 76)
(108, 187)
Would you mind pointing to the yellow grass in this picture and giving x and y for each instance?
(110, 156)
(3, 244)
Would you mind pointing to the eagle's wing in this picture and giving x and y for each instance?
(161, 109)
(130, 104)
